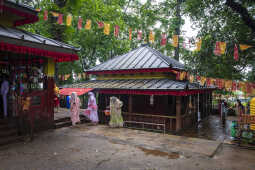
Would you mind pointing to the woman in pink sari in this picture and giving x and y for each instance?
(75, 108)
(92, 106)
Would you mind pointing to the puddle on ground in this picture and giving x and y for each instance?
(172, 155)
(211, 129)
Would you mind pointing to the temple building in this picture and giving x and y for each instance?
(146, 82)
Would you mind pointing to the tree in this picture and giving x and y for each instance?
(218, 22)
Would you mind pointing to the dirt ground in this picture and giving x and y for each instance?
(101, 147)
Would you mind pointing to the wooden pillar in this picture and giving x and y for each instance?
(130, 104)
(178, 114)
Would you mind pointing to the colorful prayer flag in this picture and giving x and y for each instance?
(100, 24)
(236, 52)
(202, 81)
(198, 45)
(217, 50)
(116, 30)
(139, 35)
(222, 47)
(244, 47)
(60, 19)
(80, 23)
(130, 33)
(45, 15)
(69, 20)
(175, 40)
(151, 37)
(178, 75)
(88, 24)
(38, 9)
(191, 78)
(163, 39)
(106, 29)
(234, 86)
(55, 14)
(208, 81)
(182, 75)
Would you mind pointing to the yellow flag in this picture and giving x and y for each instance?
(191, 78)
(38, 9)
(222, 47)
(244, 47)
(198, 45)
(175, 40)
(106, 29)
(69, 20)
(55, 14)
(88, 24)
(202, 81)
(151, 37)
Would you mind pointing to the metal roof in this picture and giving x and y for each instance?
(143, 57)
(138, 84)
(15, 36)
(22, 5)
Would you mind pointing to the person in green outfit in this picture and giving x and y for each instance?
(116, 119)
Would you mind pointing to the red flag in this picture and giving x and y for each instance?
(236, 52)
(208, 81)
(80, 23)
(116, 30)
(100, 24)
(45, 16)
(139, 35)
(217, 50)
(178, 75)
(198, 78)
(60, 19)
(163, 39)
(234, 86)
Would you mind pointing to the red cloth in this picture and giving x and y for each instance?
(80, 23)
(57, 56)
(79, 91)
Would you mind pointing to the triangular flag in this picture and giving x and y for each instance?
(45, 15)
(163, 39)
(198, 45)
(116, 30)
(139, 35)
(222, 47)
(236, 52)
(69, 20)
(80, 23)
(151, 37)
(55, 14)
(183, 45)
(130, 33)
(106, 29)
(100, 24)
(60, 19)
(217, 49)
(244, 47)
(88, 24)
(175, 40)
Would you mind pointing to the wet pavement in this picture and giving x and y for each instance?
(211, 128)
(101, 147)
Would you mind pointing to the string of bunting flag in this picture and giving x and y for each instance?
(228, 85)
(79, 76)
(220, 47)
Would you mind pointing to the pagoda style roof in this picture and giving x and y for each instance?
(143, 57)
(142, 86)
(18, 13)
(19, 41)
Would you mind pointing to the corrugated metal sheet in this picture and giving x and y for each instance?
(142, 84)
(141, 58)
(34, 38)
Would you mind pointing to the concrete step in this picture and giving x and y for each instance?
(7, 133)
(10, 140)
(66, 122)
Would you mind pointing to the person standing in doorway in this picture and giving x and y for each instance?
(4, 92)
(75, 108)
